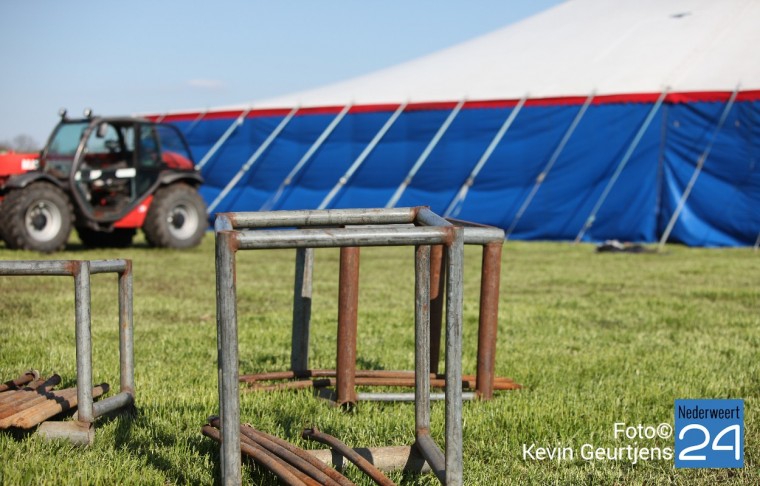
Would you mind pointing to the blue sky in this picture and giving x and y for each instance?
(157, 55)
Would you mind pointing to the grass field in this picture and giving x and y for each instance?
(594, 338)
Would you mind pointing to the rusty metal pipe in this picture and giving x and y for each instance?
(315, 476)
(374, 473)
(299, 458)
(422, 338)
(279, 468)
(406, 397)
(348, 311)
(468, 383)
(288, 385)
(337, 477)
(488, 319)
(305, 455)
(325, 373)
(437, 282)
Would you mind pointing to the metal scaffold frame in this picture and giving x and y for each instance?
(431, 229)
(81, 270)
(484, 382)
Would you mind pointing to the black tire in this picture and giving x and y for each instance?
(2, 234)
(176, 218)
(37, 217)
(118, 238)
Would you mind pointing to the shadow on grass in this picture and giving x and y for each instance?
(159, 449)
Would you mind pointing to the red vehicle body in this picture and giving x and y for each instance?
(105, 177)
(13, 163)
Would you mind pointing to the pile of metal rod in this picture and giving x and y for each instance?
(293, 465)
(327, 378)
(29, 400)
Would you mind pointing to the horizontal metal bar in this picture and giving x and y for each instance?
(429, 218)
(404, 397)
(473, 234)
(432, 454)
(339, 237)
(108, 266)
(58, 267)
(317, 217)
(482, 236)
(33, 267)
(112, 403)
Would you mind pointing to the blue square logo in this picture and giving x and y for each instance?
(709, 433)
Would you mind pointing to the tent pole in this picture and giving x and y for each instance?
(700, 164)
(542, 176)
(239, 121)
(196, 121)
(456, 204)
(627, 157)
(423, 157)
(362, 157)
(252, 160)
(270, 203)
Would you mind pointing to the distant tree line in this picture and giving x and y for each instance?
(20, 143)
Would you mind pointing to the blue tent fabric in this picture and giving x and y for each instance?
(723, 208)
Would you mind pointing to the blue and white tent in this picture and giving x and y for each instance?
(636, 120)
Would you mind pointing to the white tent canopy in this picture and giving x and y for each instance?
(592, 78)
(580, 46)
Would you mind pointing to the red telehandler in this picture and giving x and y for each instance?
(105, 177)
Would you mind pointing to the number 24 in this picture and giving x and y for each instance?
(684, 456)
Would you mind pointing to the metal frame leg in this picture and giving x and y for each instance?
(454, 302)
(126, 332)
(227, 356)
(437, 291)
(83, 341)
(348, 312)
(488, 320)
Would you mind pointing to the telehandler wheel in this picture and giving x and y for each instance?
(176, 218)
(37, 217)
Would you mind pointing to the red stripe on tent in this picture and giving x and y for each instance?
(192, 116)
(712, 97)
(374, 108)
(263, 113)
(644, 98)
(748, 96)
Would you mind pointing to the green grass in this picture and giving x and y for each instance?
(594, 338)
